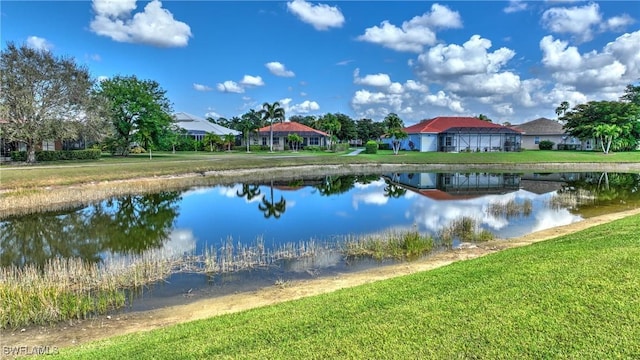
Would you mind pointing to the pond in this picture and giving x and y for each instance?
(261, 233)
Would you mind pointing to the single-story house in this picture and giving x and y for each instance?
(457, 186)
(281, 131)
(542, 129)
(198, 127)
(458, 134)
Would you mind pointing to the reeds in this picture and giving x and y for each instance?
(67, 289)
(393, 244)
(463, 229)
(511, 209)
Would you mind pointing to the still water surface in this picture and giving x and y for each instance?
(321, 210)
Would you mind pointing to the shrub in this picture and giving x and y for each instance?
(313, 148)
(91, 154)
(384, 146)
(342, 147)
(371, 147)
(546, 145)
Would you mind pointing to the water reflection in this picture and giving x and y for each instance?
(128, 224)
(321, 209)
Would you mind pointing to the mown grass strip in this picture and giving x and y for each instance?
(577, 297)
(135, 166)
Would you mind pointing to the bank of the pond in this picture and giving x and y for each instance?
(75, 333)
(16, 201)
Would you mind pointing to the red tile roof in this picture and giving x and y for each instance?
(291, 127)
(443, 123)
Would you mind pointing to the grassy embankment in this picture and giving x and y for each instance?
(60, 185)
(138, 166)
(576, 296)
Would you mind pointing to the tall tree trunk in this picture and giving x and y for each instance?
(31, 153)
(271, 136)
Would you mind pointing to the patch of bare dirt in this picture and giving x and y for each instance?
(78, 332)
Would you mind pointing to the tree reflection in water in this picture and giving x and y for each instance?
(127, 224)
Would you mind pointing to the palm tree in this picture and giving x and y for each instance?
(211, 139)
(249, 122)
(249, 191)
(229, 139)
(272, 112)
(271, 208)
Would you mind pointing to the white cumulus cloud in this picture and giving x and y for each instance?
(577, 20)
(515, 6)
(278, 69)
(153, 26)
(321, 16)
(414, 34)
(230, 86)
(249, 80)
(200, 87)
(304, 107)
(378, 80)
(38, 43)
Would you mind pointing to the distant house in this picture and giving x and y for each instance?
(198, 127)
(457, 186)
(281, 131)
(457, 134)
(542, 129)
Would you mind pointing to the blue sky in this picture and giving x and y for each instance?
(511, 60)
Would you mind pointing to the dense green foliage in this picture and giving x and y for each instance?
(371, 147)
(571, 297)
(546, 145)
(138, 110)
(42, 97)
(91, 154)
(270, 113)
(613, 123)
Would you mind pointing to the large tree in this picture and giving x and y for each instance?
(331, 125)
(347, 129)
(394, 129)
(631, 94)
(42, 96)
(138, 109)
(249, 123)
(270, 113)
(583, 121)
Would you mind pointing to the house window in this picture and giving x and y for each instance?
(264, 141)
(314, 141)
(448, 141)
(48, 145)
(536, 140)
(276, 140)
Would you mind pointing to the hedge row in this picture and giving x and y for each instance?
(92, 154)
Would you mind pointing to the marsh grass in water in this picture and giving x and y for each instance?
(511, 209)
(66, 289)
(392, 244)
(464, 229)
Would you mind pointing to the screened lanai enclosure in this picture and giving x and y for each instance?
(479, 139)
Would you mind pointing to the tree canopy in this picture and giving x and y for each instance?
(622, 132)
(42, 97)
(138, 109)
(270, 113)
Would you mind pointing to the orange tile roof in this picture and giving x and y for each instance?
(291, 127)
(443, 123)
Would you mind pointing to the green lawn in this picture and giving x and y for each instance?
(135, 166)
(574, 297)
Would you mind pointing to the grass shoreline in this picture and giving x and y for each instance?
(571, 297)
(52, 189)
